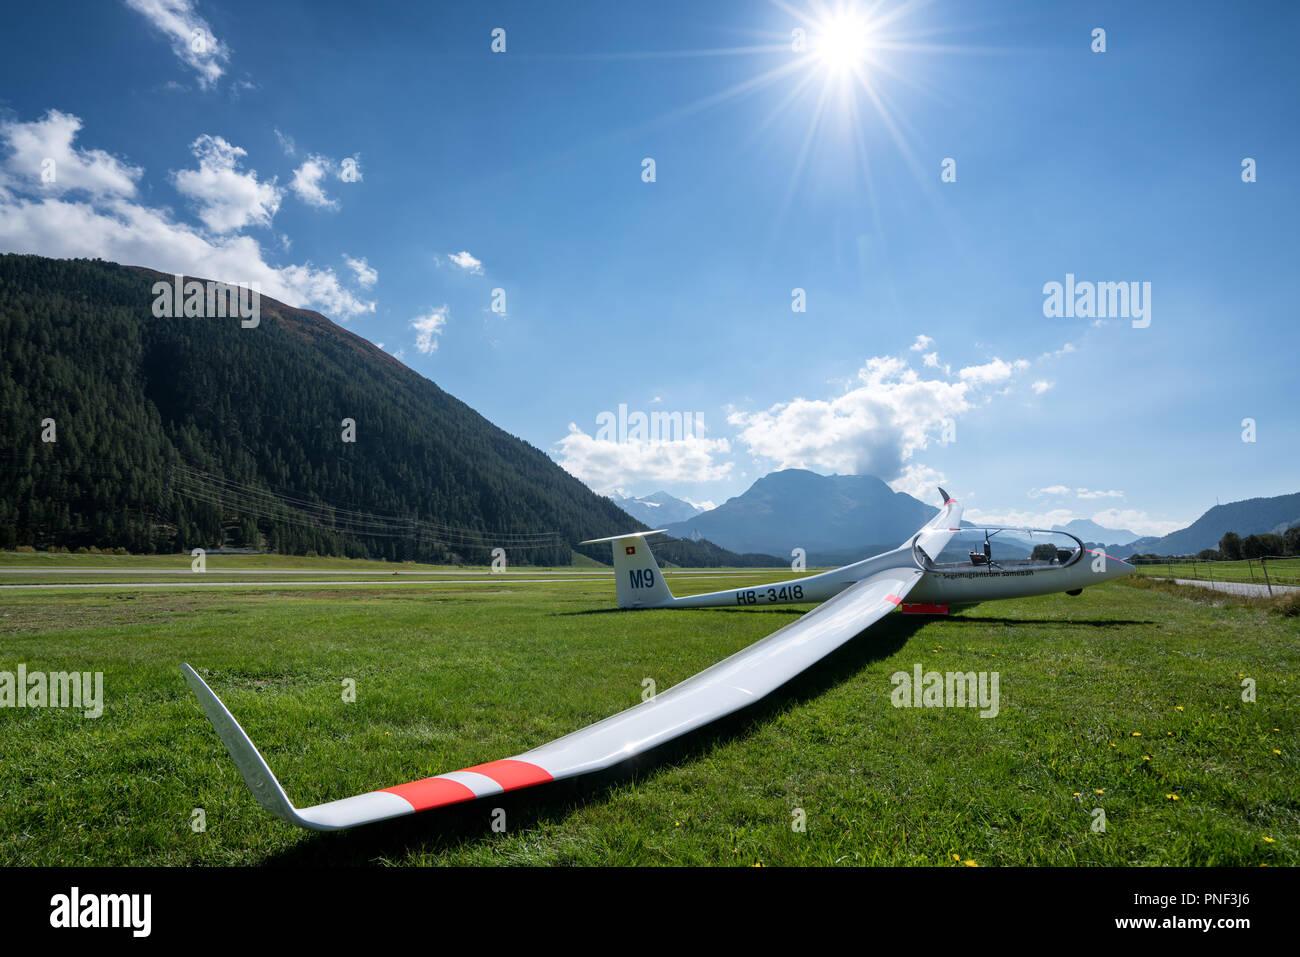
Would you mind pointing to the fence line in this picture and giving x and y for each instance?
(1265, 570)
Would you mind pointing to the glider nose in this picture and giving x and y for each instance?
(1117, 568)
(1108, 566)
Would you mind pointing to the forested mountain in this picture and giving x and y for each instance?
(172, 433)
(1252, 516)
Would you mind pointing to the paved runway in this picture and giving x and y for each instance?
(1245, 589)
(135, 586)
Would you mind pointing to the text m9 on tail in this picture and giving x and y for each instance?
(642, 577)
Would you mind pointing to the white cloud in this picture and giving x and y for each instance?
(1083, 493)
(191, 38)
(922, 343)
(919, 481)
(931, 360)
(286, 143)
(873, 428)
(50, 138)
(1019, 519)
(228, 200)
(110, 226)
(467, 262)
(604, 465)
(995, 371)
(367, 275)
(429, 328)
(307, 179)
(1065, 350)
(1042, 386)
(1097, 493)
(1050, 490)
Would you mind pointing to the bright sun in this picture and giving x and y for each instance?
(841, 42)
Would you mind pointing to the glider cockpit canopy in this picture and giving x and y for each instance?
(1001, 548)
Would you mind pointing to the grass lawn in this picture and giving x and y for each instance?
(1127, 699)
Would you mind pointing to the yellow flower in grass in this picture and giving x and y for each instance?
(1269, 840)
(1099, 790)
(970, 863)
(956, 857)
(1276, 751)
(1146, 757)
(1172, 797)
(1137, 734)
(1179, 708)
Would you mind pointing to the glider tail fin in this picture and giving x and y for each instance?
(638, 581)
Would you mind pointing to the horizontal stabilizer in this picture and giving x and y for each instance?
(614, 538)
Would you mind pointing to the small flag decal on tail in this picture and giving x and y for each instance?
(631, 549)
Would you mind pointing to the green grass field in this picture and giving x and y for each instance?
(1127, 698)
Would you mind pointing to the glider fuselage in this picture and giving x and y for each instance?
(640, 583)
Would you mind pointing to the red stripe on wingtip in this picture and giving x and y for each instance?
(893, 599)
(432, 792)
(951, 501)
(511, 774)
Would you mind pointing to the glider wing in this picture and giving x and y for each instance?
(719, 690)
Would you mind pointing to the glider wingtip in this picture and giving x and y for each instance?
(252, 766)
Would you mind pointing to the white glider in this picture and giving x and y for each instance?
(974, 576)
(852, 599)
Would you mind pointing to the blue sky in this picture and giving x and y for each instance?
(775, 170)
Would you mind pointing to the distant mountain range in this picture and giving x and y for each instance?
(1090, 531)
(828, 516)
(1253, 516)
(656, 509)
(840, 518)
